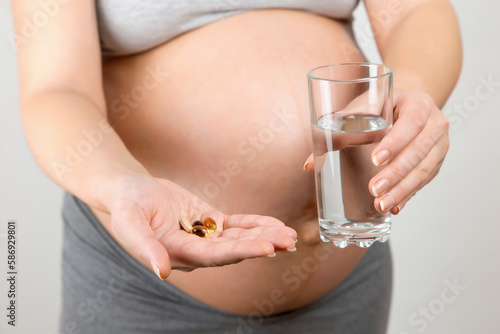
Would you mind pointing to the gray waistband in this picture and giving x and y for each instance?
(134, 300)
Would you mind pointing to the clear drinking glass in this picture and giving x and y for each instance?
(351, 111)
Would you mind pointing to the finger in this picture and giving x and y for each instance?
(411, 121)
(133, 230)
(249, 221)
(233, 251)
(228, 246)
(397, 209)
(309, 164)
(407, 160)
(415, 180)
(280, 237)
(192, 251)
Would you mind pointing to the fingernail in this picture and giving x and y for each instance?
(305, 165)
(380, 187)
(396, 210)
(291, 250)
(156, 269)
(380, 158)
(272, 255)
(386, 203)
(296, 240)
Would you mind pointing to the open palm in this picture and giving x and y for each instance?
(145, 214)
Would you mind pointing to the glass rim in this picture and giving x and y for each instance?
(367, 64)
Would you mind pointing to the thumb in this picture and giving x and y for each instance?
(309, 165)
(157, 255)
(133, 230)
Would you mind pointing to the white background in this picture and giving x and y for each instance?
(448, 232)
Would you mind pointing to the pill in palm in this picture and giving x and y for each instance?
(200, 231)
(210, 224)
(198, 223)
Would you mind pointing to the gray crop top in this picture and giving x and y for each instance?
(131, 26)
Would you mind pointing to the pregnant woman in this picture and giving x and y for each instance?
(148, 112)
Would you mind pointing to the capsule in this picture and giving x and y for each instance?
(210, 224)
(185, 225)
(200, 231)
(197, 223)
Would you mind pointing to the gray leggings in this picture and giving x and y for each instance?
(105, 290)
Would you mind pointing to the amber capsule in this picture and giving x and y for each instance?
(197, 223)
(210, 224)
(200, 231)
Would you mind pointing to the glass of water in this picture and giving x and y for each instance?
(351, 111)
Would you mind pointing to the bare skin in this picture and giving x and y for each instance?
(224, 132)
(182, 132)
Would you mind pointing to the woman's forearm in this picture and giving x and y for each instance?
(75, 145)
(423, 47)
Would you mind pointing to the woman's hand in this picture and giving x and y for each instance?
(412, 152)
(145, 213)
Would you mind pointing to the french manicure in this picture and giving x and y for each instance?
(386, 203)
(380, 187)
(291, 249)
(156, 269)
(305, 165)
(381, 157)
(272, 255)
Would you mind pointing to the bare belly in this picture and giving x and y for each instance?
(223, 112)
